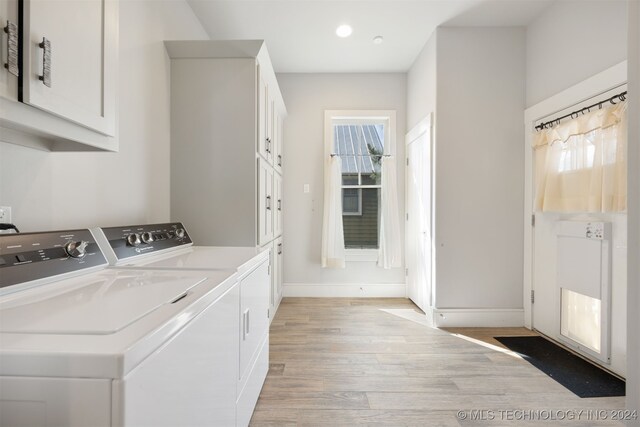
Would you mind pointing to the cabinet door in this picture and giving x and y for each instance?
(9, 49)
(266, 204)
(254, 321)
(70, 60)
(279, 142)
(272, 283)
(277, 195)
(262, 116)
(279, 269)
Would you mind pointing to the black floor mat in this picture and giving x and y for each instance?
(573, 372)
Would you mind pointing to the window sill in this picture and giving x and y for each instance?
(361, 255)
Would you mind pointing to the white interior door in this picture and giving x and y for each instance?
(419, 230)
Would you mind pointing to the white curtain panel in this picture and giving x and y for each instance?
(389, 252)
(332, 232)
(581, 164)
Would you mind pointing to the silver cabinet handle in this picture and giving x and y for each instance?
(268, 203)
(45, 45)
(248, 321)
(245, 324)
(279, 159)
(279, 248)
(268, 145)
(279, 204)
(12, 49)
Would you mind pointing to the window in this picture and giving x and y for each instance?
(361, 139)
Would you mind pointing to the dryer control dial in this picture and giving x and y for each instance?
(133, 239)
(180, 233)
(76, 249)
(146, 237)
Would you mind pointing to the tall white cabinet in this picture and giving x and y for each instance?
(227, 117)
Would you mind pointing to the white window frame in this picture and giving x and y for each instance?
(385, 117)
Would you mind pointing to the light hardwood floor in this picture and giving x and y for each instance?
(343, 362)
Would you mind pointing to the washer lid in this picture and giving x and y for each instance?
(202, 258)
(101, 306)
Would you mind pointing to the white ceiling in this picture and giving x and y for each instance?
(300, 34)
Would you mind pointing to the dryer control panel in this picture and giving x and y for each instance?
(31, 256)
(127, 242)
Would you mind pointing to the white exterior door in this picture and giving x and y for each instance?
(418, 230)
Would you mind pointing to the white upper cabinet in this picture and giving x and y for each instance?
(65, 98)
(70, 60)
(9, 70)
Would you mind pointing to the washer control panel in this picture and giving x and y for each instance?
(31, 256)
(135, 240)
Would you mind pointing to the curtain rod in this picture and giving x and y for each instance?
(544, 125)
(361, 155)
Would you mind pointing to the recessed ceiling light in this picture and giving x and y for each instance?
(378, 40)
(344, 30)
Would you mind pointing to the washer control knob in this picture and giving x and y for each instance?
(180, 233)
(76, 249)
(146, 237)
(133, 239)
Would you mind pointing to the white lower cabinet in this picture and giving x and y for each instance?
(254, 339)
(192, 381)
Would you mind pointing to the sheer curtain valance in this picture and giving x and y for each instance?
(581, 164)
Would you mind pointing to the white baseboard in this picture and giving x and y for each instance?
(345, 290)
(478, 317)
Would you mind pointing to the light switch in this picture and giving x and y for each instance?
(306, 188)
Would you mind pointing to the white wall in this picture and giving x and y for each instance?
(71, 190)
(421, 84)
(478, 173)
(571, 41)
(633, 286)
(306, 97)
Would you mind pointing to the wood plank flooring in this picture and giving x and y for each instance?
(344, 362)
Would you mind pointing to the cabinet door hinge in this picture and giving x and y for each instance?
(407, 217)
(268, 314)
(533, 296)
(406, 272)
(533, 220)
(407, 161)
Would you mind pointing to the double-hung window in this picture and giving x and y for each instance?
(361, 139)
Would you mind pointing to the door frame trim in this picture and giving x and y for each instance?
(423, 126)
(596, 85)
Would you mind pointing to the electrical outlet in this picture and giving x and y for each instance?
(5, 214)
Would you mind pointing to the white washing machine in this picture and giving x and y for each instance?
(82, 345)
(168, 247)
